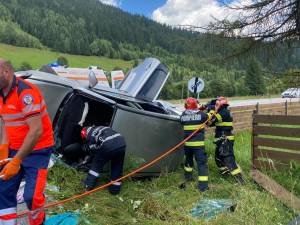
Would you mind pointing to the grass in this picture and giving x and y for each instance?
(36, 58)
(288, 178)
(163, 202)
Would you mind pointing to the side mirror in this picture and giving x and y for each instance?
(92, 79)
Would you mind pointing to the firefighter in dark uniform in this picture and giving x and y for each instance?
(192, 118)
(224, 140)
(103, 145)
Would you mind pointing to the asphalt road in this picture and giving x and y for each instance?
(262, 101)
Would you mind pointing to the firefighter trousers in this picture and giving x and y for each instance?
(201, 159)
(116, 159)
(34, 172)
(224, 156)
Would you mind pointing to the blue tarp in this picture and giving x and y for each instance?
(209, 208)
(295, 222)
(63, 219)
(54, 64)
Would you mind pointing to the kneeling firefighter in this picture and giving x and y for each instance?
(192, 118)
(102, 145)
(224, 140)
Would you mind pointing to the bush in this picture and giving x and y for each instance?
(135, 63)
(117, 68)
(102, 47)
(61, 60)
(25, 66)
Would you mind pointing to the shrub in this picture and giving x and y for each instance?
(61, 60)
(25, 66)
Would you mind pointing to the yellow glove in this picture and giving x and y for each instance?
(11, 169)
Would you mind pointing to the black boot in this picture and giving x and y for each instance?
(203, 186)
(239, 179)
(224, 171)
(114, 189)
(188, 176)
(90, 182)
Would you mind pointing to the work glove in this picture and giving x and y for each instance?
(202, 107)
(3, 151)
(11, 169)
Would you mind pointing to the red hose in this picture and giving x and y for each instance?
(125, 176)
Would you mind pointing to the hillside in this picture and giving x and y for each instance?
(37, 57)
(72, 25)
(91, 28)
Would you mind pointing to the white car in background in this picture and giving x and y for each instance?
(291, 93)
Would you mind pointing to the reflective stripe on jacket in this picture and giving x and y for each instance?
(97, 136)
(191, 121)
(224, 123)
(23, 101)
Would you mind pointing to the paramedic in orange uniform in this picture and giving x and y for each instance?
(26, 139)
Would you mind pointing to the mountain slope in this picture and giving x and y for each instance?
(36, 58)
(71, 25)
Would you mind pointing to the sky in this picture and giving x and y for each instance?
(179, 12)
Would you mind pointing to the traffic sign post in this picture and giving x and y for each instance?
(196, 85)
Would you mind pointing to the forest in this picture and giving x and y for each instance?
(228, 66)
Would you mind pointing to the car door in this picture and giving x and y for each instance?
(148, 135)
(146, 80)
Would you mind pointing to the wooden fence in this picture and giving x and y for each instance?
(242, 116)
(275, 141)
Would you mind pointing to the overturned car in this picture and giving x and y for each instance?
(148, 127)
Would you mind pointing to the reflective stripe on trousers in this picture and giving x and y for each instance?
(8, 216)
(188, 169)
(34, 170)
(194, 143)
(236, 171)
(203, 178)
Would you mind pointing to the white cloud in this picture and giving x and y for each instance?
(194, 12)
(115, 3)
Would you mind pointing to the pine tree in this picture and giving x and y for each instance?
(254, 78)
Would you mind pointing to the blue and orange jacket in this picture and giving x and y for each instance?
(23, 101)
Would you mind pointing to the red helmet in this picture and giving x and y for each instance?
(222, 101)
(83, 133)
(191, 103)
